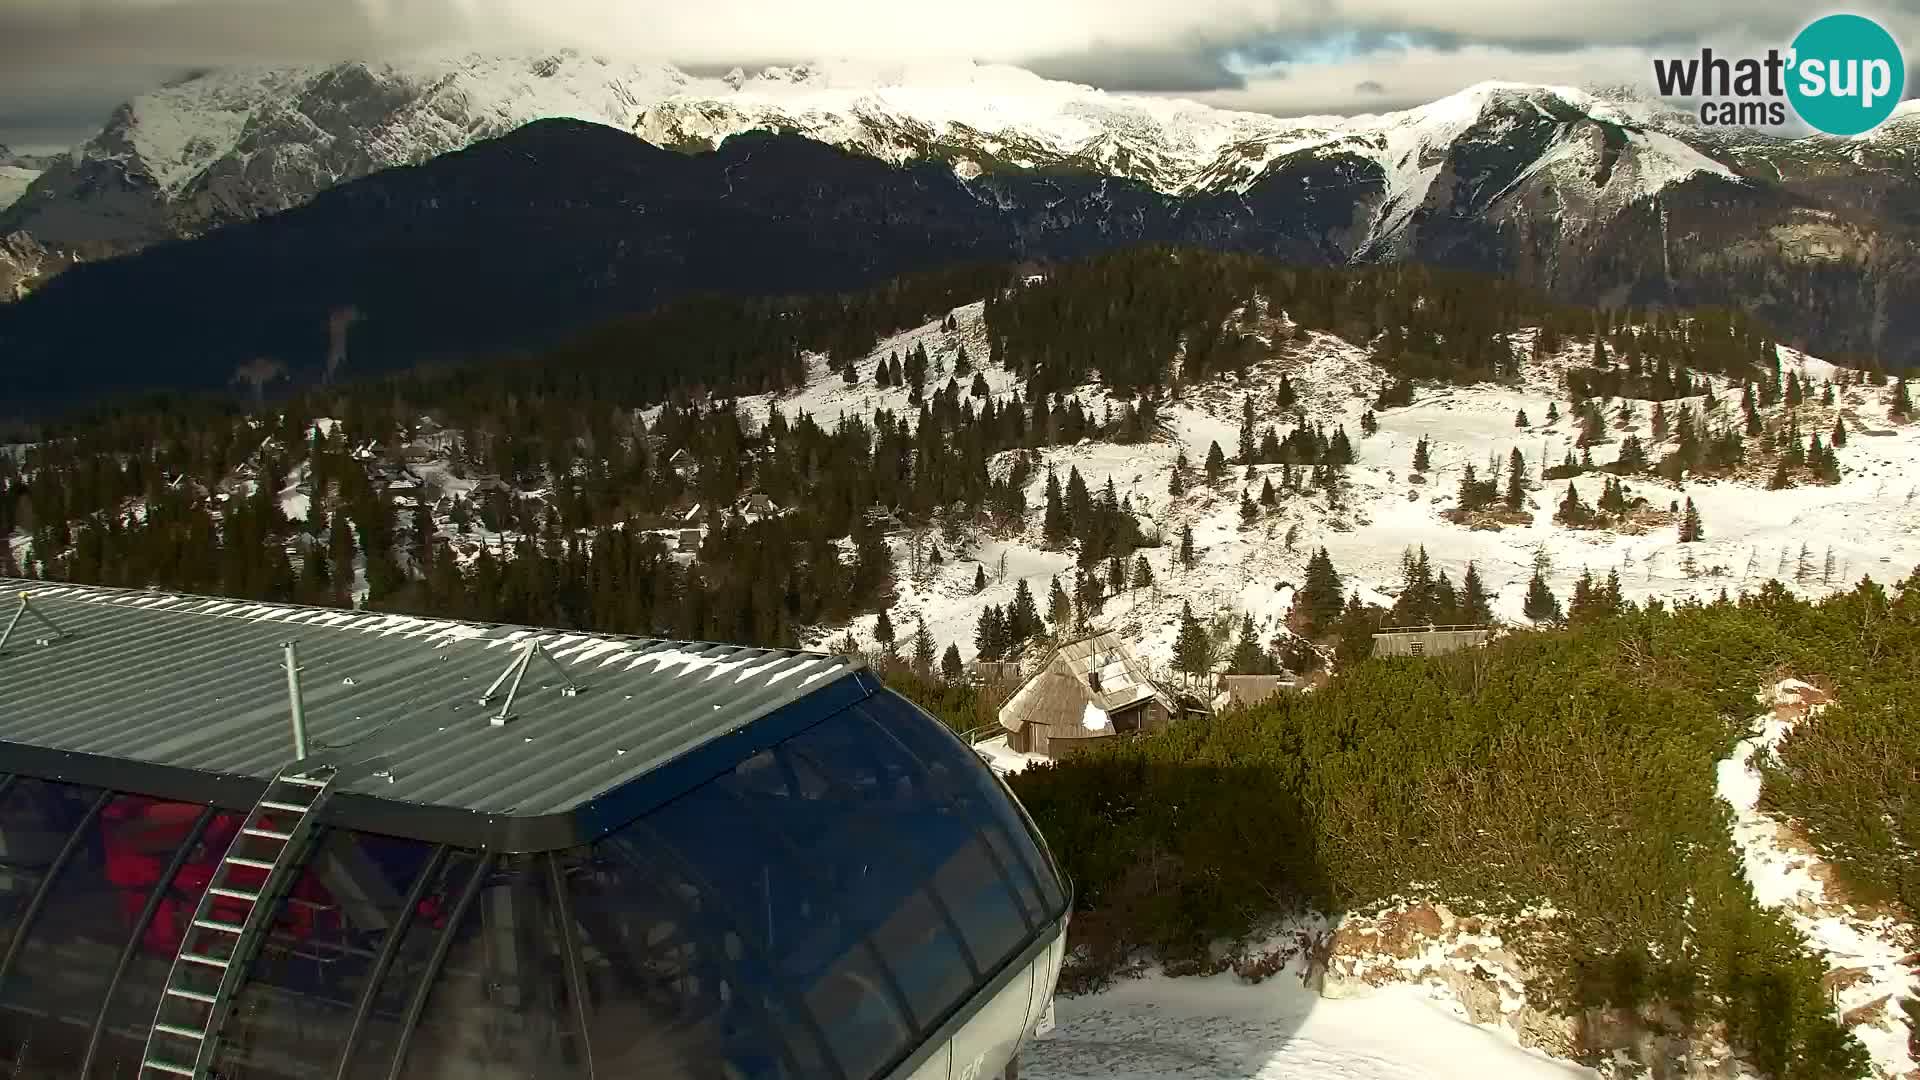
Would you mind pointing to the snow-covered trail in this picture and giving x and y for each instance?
(1868, 954)
(1219, 1028)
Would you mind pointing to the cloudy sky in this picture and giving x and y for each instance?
(64, 64)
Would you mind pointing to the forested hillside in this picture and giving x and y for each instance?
(1573, 769)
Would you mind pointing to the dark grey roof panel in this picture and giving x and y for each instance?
(198, 684)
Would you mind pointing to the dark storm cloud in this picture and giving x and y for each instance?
(1149, 71)
(64, 64)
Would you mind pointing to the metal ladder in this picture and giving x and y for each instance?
(214, 954)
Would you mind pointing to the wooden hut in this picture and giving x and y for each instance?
(1089, 691)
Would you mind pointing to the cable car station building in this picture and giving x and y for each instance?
(263, 842)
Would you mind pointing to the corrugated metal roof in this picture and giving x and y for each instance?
(199, 684)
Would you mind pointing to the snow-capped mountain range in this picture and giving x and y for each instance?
(240, 142)
(1544, 182)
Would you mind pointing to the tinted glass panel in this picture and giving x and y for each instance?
(48, 1001)
(381, 1034)
(816, 911)
(673, 990)
(140, 838)
(499, 1007)
(292, 1014)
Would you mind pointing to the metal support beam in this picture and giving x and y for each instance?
(570, 949)
(45, 888)
(139, 931)
(296, 704)
(431, 974)
(389, 948)
(26, 608)
(517, 671)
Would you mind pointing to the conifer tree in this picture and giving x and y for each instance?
(1023, 617)
(1369, 424)
(1541, 605)
(1216, 463)
(1186, 546)
(1248, 657)
(1573, 512)
(883, 633)
(1116, 575)
(1193, 649)
(1520, 419)
(850, 373)
(951, 669)
(1320, 596)
(980, 578)
(1246, 431)
(1267, 497)
(1285, 397)
(1516, 480)
(1177, 483)
(1839, 433)
(1690, 529)
(1059, 608)
(1055, 526)
(1899, 404)
(1475, 606)
(1339, 450)
(1553, 412)
(922, 651)
(1422, 460)
(1248, 512)
(1142, 573)
(990, 634)
(979, 388)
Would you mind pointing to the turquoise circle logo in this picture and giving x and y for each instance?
(1847, 75)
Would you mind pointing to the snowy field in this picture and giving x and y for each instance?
(1219, 1028)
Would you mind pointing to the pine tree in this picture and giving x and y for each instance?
(1285, 397)
(850, 373)
(1055, 525)
(1339, 450)
(1900, 405)
(1320, 597)
(1248, 657)
(980, 579)
(1186, 546)
(1553, 412)
(1246, 431)
(1541, 605)
(1249, 513)
(883, 633)
(1475, 606)
(1193, 649)
(1142, 573)
(1422, 460)
(923, 651)
(951, 669)
(1520, 419)
(1177, 483)
(1023, 617)
(1573, 512)
(1690, 530)
(1516, 480)
(1839, 433)
(1369, 424)
(1267, 497)
(1216, 463)
(990, 634)
(1059, 608)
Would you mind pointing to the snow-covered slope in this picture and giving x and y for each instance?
(1867, 524)
(13, 182)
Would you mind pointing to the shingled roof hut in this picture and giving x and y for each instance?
(1089, 691)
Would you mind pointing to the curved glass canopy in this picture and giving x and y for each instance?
(821, 909)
